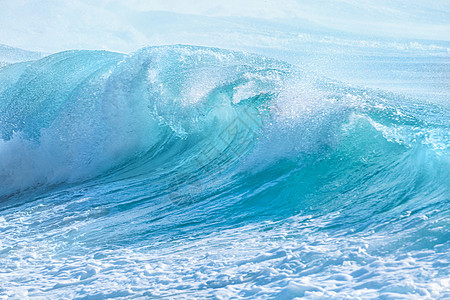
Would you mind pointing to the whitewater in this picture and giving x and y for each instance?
(181, 171)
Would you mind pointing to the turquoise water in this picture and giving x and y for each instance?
(184, 171)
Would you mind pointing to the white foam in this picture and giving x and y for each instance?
(293, 259)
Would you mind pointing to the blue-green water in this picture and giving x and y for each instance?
(185, 172)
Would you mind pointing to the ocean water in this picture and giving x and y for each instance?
(225, 150)
(184, 171)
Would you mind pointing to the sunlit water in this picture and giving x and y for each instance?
(318, 168)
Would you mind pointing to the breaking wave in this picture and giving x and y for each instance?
(179, 142)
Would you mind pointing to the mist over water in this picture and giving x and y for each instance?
(224, 150)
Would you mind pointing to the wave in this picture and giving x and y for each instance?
(189, 114)
(210, 172)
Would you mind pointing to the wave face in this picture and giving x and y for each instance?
(185, 171)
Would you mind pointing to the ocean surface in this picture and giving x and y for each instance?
(276, 165)
(184, 171)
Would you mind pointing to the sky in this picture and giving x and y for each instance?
(125, 26)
